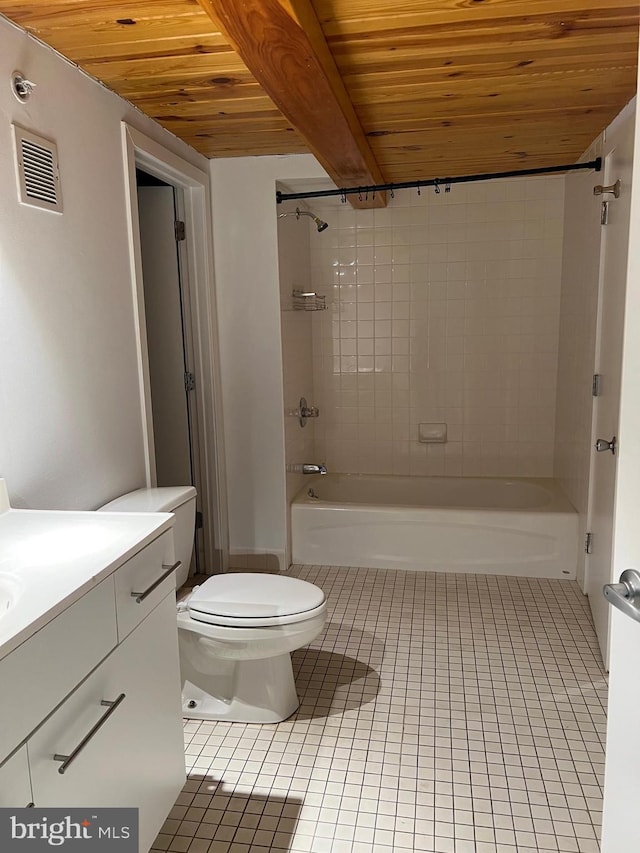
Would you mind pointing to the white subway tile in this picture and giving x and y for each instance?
(474, 300)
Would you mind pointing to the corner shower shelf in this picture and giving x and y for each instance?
(305, 300)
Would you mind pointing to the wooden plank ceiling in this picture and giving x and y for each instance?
(439, 87)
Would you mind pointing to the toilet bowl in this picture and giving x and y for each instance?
(235, 631)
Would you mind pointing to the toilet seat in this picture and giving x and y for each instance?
(250, 600)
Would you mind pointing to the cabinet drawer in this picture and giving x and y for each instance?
(38, 675)
(15, 787)
(135, 758)
(138, 575)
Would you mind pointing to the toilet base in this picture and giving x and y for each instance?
(241, 691)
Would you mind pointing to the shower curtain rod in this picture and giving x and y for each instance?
(438, 183)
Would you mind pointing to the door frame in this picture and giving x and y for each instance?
(193, 185)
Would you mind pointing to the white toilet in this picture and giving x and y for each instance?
(235, 631)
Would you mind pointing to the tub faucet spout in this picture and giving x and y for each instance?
(313, 469)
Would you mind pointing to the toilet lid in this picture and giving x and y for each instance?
(254, 599)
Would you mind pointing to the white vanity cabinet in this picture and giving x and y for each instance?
(100, 684)
(38, 675)
(15, 783)
(136, 757)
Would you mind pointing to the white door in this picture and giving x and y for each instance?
(618, 163)
(621, 826)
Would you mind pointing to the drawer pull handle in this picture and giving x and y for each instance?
(169, 570)
(68, 759)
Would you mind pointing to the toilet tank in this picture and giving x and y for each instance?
(180, 500)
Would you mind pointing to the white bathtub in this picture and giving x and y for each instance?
(495, 526)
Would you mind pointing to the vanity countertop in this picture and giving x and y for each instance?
(50, 559)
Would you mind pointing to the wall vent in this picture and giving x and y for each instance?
(37, 170)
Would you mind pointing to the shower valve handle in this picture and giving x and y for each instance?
(305, 411)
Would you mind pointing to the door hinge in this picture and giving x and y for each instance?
(189, 381)
(181, 231)
(199, 523)
(595, 385)
(588, 543)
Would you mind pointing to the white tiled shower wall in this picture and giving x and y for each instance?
(442, 308)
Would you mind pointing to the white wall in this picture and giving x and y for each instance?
(580, 309)
(578, 318)
(70, 430)
(294, 263)
(444, 308)
(248, 298)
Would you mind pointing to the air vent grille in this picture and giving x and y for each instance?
(37, 171)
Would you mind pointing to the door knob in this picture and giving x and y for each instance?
(613, 189)
(602, 444)
(626, 594)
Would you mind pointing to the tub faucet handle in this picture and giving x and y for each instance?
(308, 468)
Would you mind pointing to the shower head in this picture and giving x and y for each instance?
(321, 225)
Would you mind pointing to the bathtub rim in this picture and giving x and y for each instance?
(559, 502)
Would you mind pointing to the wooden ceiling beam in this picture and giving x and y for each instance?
(282, 44)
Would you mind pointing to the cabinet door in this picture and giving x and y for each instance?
(136, 757)
(15, 787)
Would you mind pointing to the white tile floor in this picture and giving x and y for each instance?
(439, 713)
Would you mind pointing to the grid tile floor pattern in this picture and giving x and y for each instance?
(439, 713)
